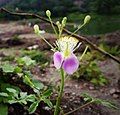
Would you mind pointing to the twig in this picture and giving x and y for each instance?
(80, 38)
(83, 106)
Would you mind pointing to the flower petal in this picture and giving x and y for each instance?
(71, 64)
(58, 59)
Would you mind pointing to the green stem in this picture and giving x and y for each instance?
(57, 108)
(53, 26)
(83, 106)
(77, 30)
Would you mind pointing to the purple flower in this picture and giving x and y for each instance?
(65, 58)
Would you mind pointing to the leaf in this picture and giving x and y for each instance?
(3, 109)
(94, 81)
(106, 103)
(18, 69)
(23, 101)
(86, 97)
(27, 61)
(8, 68)
(23, 95)
(11, 90)
(31, 98)
(37, 84)
(109, 104)
(48, 102)
(4, 94)
(28, 81)
(33, 107)
(47, 93)
(11, 101)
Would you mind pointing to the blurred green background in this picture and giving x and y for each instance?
(105, 13)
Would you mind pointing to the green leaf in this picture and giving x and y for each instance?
(18, 69)
(12, 101)
(94, 81)
(28, 81)
(106, 103)
(37, 84)
(109, 104)
(47, 93)
(31, 98)
(26, 60)
(23, 101)
(4, 94)
(33, 107)
(11, 90)
(86, 97)
(48, 102)
(8, 68)
(3, 109)
(23, 95)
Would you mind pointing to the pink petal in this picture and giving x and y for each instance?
(71, 64)
(58, 59)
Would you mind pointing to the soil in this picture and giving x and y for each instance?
(73, 87)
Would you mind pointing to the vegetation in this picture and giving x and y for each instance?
(17, 81)
(12, 93)
(62, 8)
(89, 69)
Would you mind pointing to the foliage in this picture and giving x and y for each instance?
(38, 56)
(102, 6)
(13, 94)
(87, 98)
(58, 7)
(95, 27)
(89, 70)
(115, 50)
(3, 109)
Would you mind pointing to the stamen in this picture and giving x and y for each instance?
(77, 46)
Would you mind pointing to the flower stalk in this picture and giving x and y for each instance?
(57, 107)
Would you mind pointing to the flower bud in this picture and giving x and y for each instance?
(87, 19)
(64, 21)
(36, 29)
(48, 13)
(57, 23)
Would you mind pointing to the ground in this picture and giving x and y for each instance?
(9, 31)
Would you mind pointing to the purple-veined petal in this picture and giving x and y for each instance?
(71, 64)
(58, 59)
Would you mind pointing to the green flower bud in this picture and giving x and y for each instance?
(58, 23)
(36, 29)
(64, 21)
(48, 13)
(87, 19)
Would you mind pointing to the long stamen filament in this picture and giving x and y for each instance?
(47, 42)
(84, 53)
(77, 47)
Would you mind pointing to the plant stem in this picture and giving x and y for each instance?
(53, 26)
(83, 106)
(57, 108)
(76, 30)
